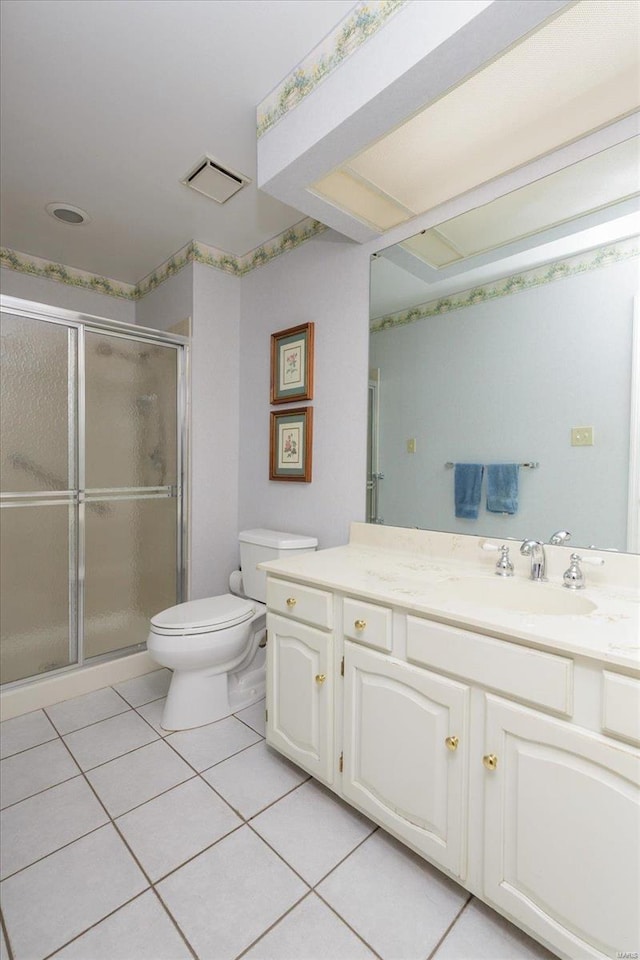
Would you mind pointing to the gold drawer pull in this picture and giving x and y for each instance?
(452, 743)
(321, 677)
(291, 601)
(359, 624)
(490, 761)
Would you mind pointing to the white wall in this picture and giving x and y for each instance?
(325, 280)
(215, 430)
(169, 303)
(212, 300)
(56, 294)
(507, 380)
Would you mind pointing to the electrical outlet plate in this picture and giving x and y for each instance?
(582, 436)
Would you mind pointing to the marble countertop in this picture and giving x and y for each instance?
(609, 633)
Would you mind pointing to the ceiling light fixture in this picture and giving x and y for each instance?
(67, 213)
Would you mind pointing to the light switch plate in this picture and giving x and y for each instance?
(411, 445)
(582, 436)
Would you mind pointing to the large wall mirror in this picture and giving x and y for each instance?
(506, 335)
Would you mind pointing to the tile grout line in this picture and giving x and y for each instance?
(275, 923)
(37, 793)
(446, 933)
(146, 876)
(111, 820)
(312, 889)
(5, 934)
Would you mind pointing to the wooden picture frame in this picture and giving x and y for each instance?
(292, 364)
(290, 445)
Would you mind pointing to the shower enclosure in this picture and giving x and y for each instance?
(92, 480)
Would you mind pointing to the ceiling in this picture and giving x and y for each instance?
(106, 104)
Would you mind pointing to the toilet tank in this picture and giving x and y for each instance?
(256, 546)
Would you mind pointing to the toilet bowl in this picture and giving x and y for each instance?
(211, 646)
(215, 646)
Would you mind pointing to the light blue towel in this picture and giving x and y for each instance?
(502, 488)
(467, 487)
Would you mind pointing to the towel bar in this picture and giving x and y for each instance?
(531, 465)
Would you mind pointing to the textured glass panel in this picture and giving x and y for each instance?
(130, 413)
(34, 416)
(130, 570)
(34, 585)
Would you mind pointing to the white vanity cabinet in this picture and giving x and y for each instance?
(405, 752)
(562, 826)
(512, 767)
(300, 677)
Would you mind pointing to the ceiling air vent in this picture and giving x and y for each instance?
(214, 181)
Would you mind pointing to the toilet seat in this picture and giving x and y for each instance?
(203, 616)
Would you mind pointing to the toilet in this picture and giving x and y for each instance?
(215, 646)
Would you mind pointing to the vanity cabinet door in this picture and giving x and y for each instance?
(300, 695)
(405, 752)
(562, 830)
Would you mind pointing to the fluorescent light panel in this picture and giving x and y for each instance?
(584, 187)
(579, 72)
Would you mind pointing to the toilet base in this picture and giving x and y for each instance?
(195, 698)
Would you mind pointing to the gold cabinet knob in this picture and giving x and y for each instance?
(321, 677)
(452, 743)
(291, 601)
(359, 624)
(490, 761)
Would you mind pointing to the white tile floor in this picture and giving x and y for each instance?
(120, 842)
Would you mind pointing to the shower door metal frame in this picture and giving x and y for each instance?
(78, 496)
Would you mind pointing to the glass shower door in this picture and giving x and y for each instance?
(129, 507)
(38, 529)
(91, 463)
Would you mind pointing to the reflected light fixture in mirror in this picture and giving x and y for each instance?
(576, 73)
(497, 357)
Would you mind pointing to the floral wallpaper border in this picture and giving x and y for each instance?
(536, 277)
(37, 267)
(355, 29)
(190, 253)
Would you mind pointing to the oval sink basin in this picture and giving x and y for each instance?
(514, 595)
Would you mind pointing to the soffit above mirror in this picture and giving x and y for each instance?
(491, 88)
(578, 72)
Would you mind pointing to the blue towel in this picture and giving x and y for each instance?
(467, 486)
(502, 488)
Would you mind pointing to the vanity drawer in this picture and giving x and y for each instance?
(300, 602)
(621, 706)
(367, 623)
(539, 678)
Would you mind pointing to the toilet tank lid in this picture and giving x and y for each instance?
(277, 539)
(222, 611)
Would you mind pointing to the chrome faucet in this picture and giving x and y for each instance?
(535, 550)
(560, 537)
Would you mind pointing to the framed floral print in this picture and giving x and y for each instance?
(290, 444)
(292, 364)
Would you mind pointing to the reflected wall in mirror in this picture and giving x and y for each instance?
(497, 334)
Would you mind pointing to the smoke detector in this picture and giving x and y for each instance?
(213, 180)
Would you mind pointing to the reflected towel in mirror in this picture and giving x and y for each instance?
(502, 488)
(467, 484)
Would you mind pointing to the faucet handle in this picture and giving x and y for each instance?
(561, 536)
(504, 566)
(573, 577)
(490, 547)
